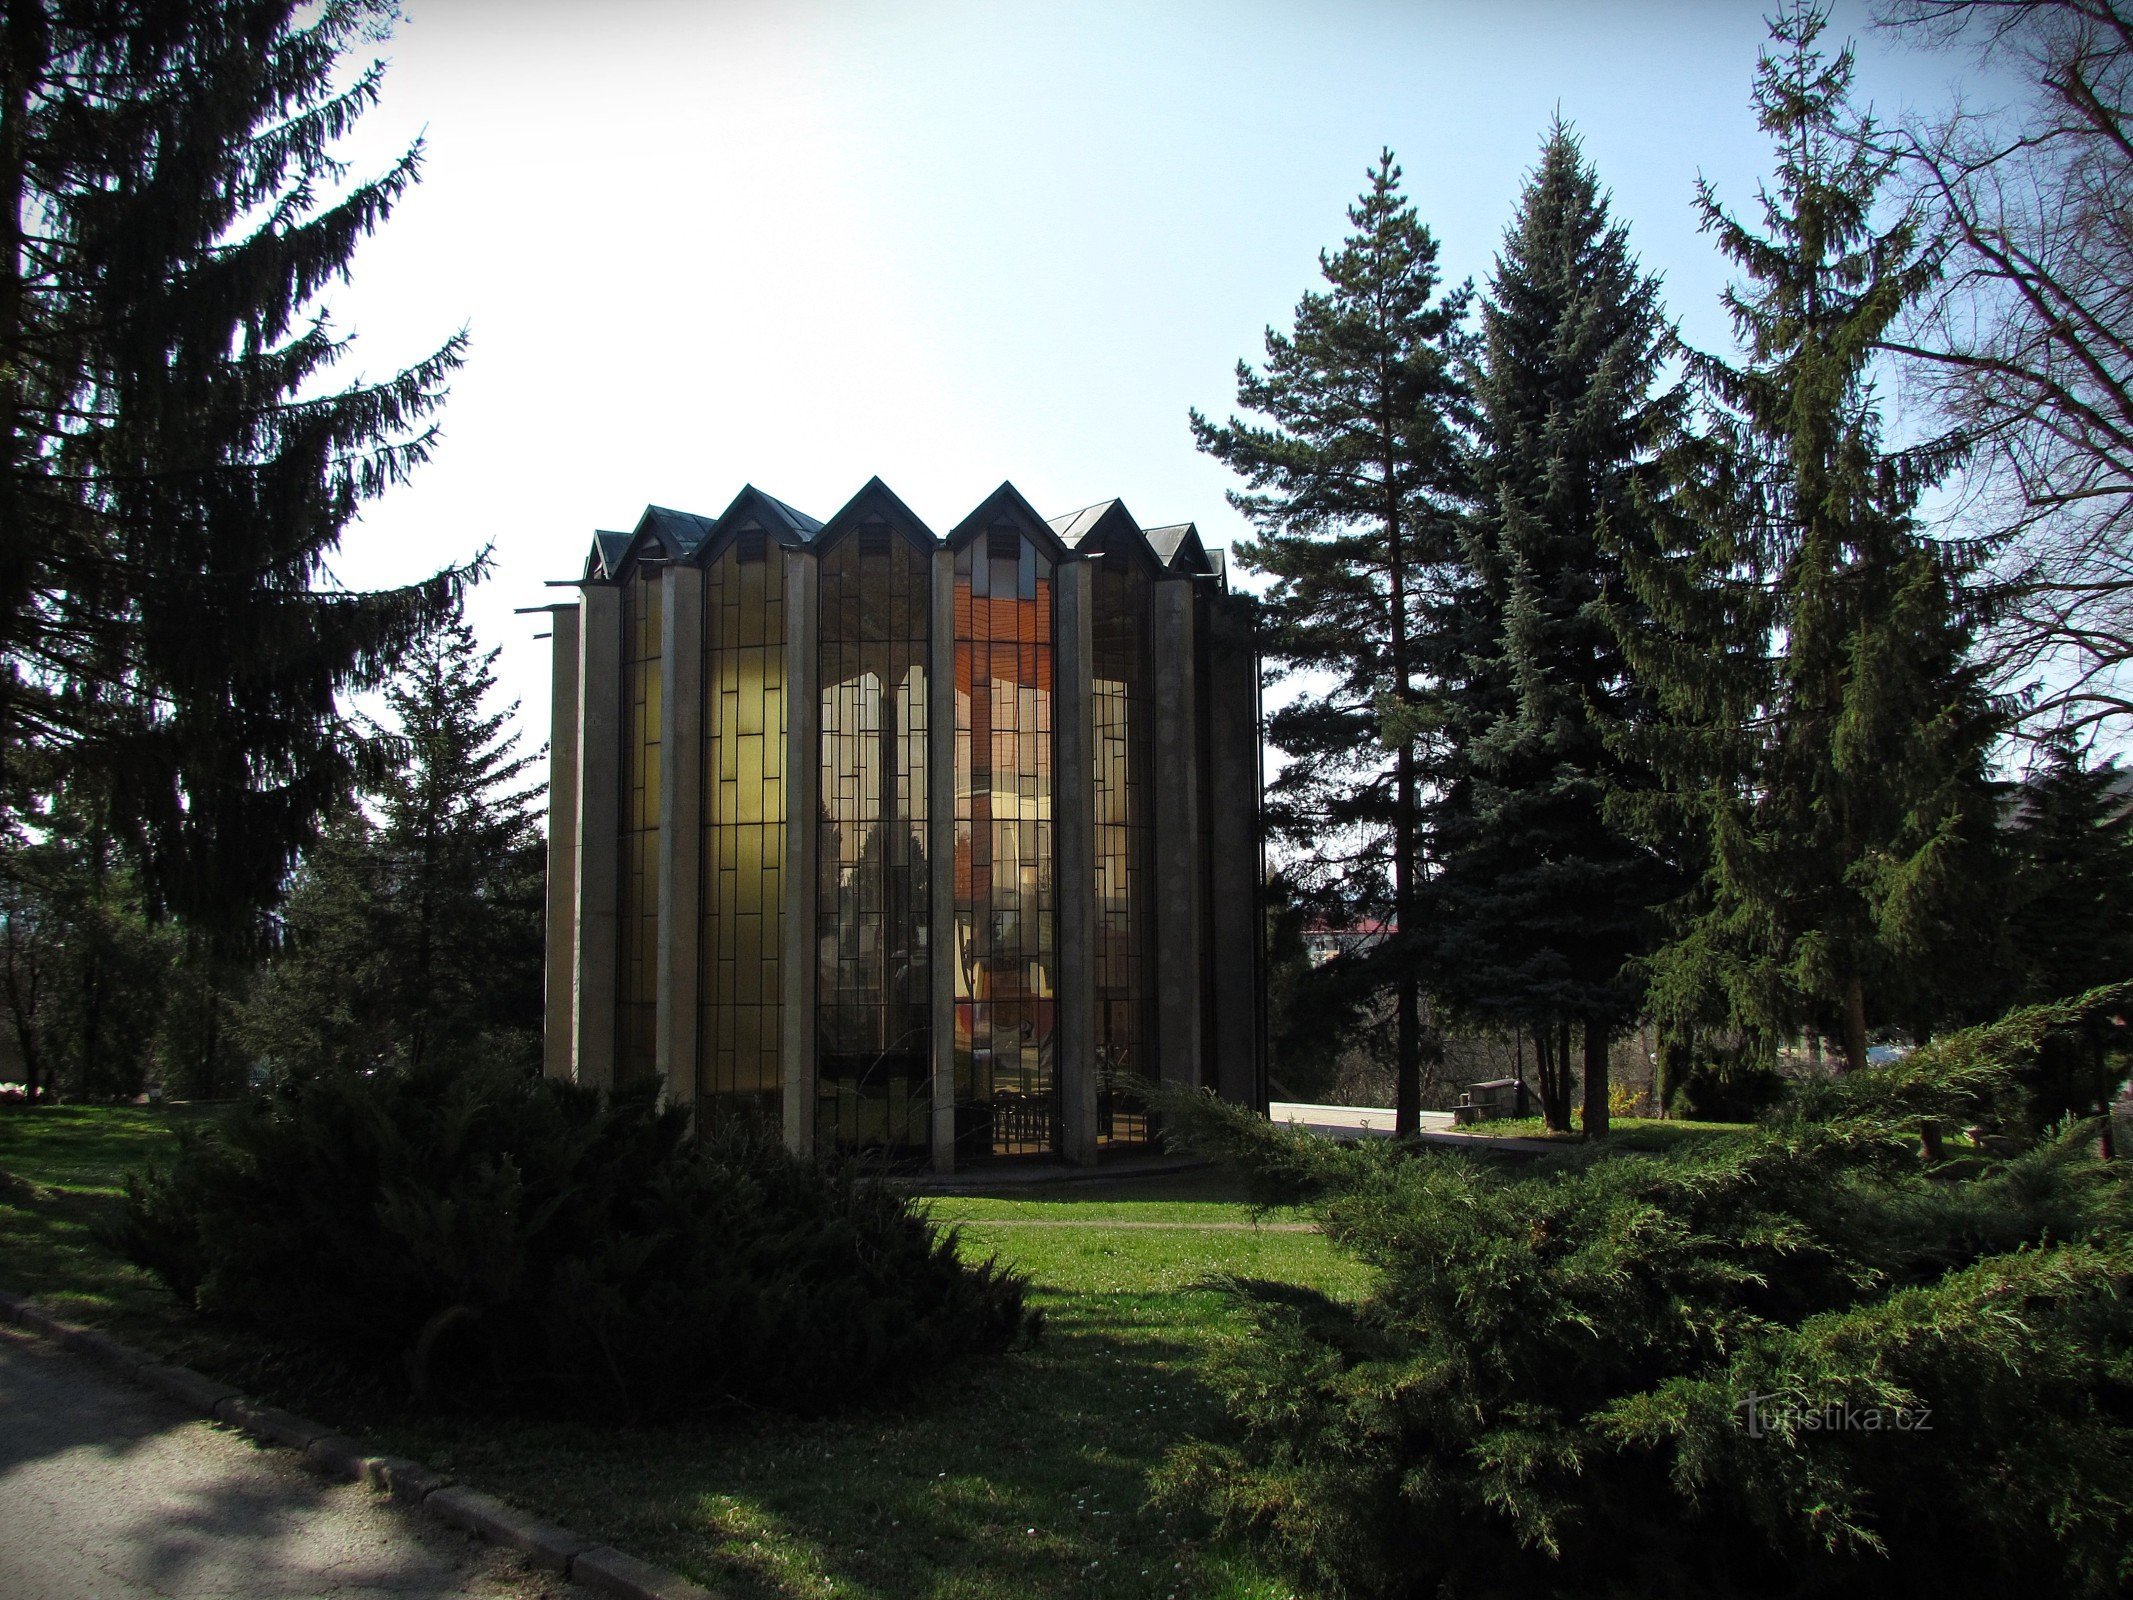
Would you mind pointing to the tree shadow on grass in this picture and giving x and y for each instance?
(1019, 1475)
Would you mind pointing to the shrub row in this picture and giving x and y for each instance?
(499, 1242)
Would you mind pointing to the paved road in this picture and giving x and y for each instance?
(108, 1492)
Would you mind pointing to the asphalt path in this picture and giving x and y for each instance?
(108, 1492)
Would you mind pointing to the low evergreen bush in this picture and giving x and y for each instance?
(500, 1242)
(1794, 1361)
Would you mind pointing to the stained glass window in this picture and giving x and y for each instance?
(637, 908)
(1004, 951)
(744, 831)
(1123, 704)
(873, 1004)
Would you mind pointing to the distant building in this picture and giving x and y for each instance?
(1029, 759)
(1322, 941)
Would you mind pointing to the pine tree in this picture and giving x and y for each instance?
(1543, 901)
(416, 937)
(1356, 486)
(177, 467)
(1810, 653)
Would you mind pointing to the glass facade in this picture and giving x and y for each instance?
(1004, 929)
(880, 968)
(743, 858)
(1123, 706)
(873, 1003)
(637, 895)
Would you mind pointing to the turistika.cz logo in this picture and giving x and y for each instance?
(1789, 1412)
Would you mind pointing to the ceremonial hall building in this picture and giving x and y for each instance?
(926, 847)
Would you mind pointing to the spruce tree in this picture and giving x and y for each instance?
(2070, 919)
(1544, 902)
(465, 857)
(1356, 491)
(416, 937)
(178, 467)
(1810, 652)
(2070, 916)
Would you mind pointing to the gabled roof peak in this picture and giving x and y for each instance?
(1006, 505)
(753, 508)
(875, 502)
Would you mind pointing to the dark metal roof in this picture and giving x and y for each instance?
(1078, 525)
(1107, 527)
(753, 507)
(876, 502)
(1180, 548)
(607, 550)
(679, 531)
(1006, 505)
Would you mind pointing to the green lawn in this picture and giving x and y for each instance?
(1022, 1476)
(1625, 1133)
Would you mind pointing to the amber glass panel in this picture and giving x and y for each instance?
(873, 1007)
(744, 831)
(1005, 954)
(637, 900)
(1123, 703)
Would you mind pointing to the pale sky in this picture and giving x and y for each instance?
(803, 242)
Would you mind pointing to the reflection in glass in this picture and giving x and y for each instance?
(744, 831)
(1006, 1088)
(873, 1032)
(637, 908)
(1123, 703)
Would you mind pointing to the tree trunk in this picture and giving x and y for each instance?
(1676, 1049)
(1595, 1078)
(1854, 1025)
(1551, 1050)
(1407, 1108)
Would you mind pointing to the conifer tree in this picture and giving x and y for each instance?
(175, 466)
(1544, 901)
(416, 938)
(2070, 917)
(1810, 655)
(1356, 490)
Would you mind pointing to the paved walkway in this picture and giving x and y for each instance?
(108, 1492)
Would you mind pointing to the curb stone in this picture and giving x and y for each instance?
(571, 1555)
(337, 1456)
(547, 1545)
(270, 1422)
(409, 1482)
(29, 1314)
(187, 1387)
(612, 1572)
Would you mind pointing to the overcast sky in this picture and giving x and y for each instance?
(700, 243)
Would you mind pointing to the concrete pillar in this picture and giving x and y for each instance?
(559, 1018)
(1074, 854)
(681, 834)
(1176, 946)
(559, 1030)
(599, 823)
(1238, 1058)
(940, 851)
(803, 783)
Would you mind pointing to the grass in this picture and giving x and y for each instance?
(1624, 1133)
(1021, 1476)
